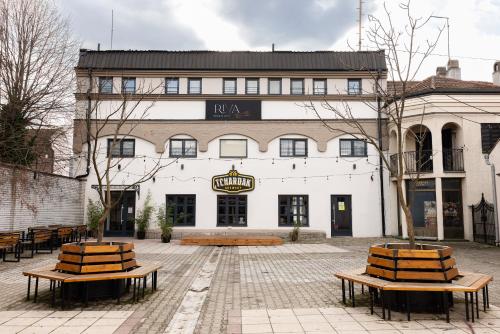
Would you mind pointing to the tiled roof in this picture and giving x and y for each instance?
(233, 60)
(436, 84)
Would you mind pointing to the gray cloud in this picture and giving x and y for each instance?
(299, 24)
(145, 24)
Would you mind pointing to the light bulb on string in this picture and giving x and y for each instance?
(337, 160)
(273, 161)
(305, 161)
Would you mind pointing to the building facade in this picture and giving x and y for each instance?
(238, 139)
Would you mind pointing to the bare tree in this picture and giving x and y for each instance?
(405, 53)
(37, 55)
(116, 120)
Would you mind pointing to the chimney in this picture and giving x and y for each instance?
(441, 72)
(453, 71)
(496, 73)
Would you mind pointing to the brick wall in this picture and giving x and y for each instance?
(29, 199)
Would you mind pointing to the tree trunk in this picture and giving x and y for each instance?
(408, 216)
(100, 226)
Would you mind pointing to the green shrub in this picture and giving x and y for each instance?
(294, 235)
(95, 210)
(144, 216)
(165, 221)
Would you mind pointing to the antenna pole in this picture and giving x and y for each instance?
(112, 26)
(447, 28)
(360, 10)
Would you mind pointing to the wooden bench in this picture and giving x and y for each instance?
(10, 242)
(228, 240)
(79, 232)
(63, 279)
(468, 283)
(35, 238)
(64, 234)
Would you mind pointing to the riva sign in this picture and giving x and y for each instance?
(233, 182)
(232, 110)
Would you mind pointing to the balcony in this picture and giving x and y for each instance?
(453, 160)
(414, 161)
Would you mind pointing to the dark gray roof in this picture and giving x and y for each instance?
(233, 60)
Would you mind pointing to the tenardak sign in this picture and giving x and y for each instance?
(233, 182)
(233, 110)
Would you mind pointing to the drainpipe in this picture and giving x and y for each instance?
(87, 120)
(494, 188)
(380, 162)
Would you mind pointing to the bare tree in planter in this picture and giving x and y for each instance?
(117, 121)
(404, 55)
(37, 55)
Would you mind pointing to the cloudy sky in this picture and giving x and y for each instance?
(290, 24)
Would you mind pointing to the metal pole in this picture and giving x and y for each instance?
(495, 208)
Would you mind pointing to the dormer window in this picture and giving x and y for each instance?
(106, 85)
(194, 86)
(172, 85)
(252, 86)
(229, 86)
(297, 86)
(354, 86)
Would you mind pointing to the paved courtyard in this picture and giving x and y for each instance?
(280, 289)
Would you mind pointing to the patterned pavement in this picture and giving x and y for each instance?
(291, 279)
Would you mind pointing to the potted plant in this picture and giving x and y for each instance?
(95, 211)
(294, 234)
(165, 222)
(143, 217)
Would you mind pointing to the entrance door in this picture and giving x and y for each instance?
(121, 218)
(232, 210)
(453, 224)
(341, 215)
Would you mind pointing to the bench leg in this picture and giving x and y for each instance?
(466, 306)
(133, 296)
(370, 293)
(118, 292)
(53, 298)
(487, 297)
(36, 290)
(446, 305)
(477, 305)
(343, 292)
(29, 288)
(408, 305)
(86, 300)
(353, 298)
(144, 284)
(156, 280)
(382, 299)
(484, 299)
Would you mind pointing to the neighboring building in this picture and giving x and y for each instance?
(215, 113)
(460, 124)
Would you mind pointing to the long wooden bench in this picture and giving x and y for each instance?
(468, 283)
(37, 237)
(231, 240)
(10, 242)
(63, 279)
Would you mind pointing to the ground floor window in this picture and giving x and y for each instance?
(293, 209)
(453, 224)
(181, 209)
(421, 196)
(231, 210)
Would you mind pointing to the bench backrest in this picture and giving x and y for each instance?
(9, 238)
(42, 235)
(81, 228)
(64, 231)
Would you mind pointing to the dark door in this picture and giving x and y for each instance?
(121, 218)
(232, 210)
(341, 215)
(453, 223)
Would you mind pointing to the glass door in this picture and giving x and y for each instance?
(453, 223)
(232, 210)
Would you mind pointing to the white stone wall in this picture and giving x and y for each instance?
(28, 199)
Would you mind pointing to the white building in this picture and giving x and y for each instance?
(208, 114)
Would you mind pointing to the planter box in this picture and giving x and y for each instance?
(396, 262)
(93, 257)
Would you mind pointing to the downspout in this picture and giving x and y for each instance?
(87, 120)
(380, 162)
(494, 189)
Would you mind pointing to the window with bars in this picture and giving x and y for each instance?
(293, 147)
(194, 86)
(122, 148)
(297, 86)
(182, 148)
(128, 85)
(106, 85)
(319, 86)
(353, 148)
(181, 209)
(274, 86)
(353, 86)
(230, 85)
(252, 86)
(172, 85)
(293, 209)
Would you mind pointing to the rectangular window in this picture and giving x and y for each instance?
(293, 147)
(229, 86)
(128, 85)
(274, 86)
(231, 210)
(181, 209)
(297, 86)
(293, 209)
(319, 86)
(233, 148)
(252, 86)
(123, 148)
(353, 86)
(353, 148)
(172, 85)
(106, 85)
(194, 86)
(183, 148)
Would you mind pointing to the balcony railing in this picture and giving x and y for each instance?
(453, 160)
(414, 161)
